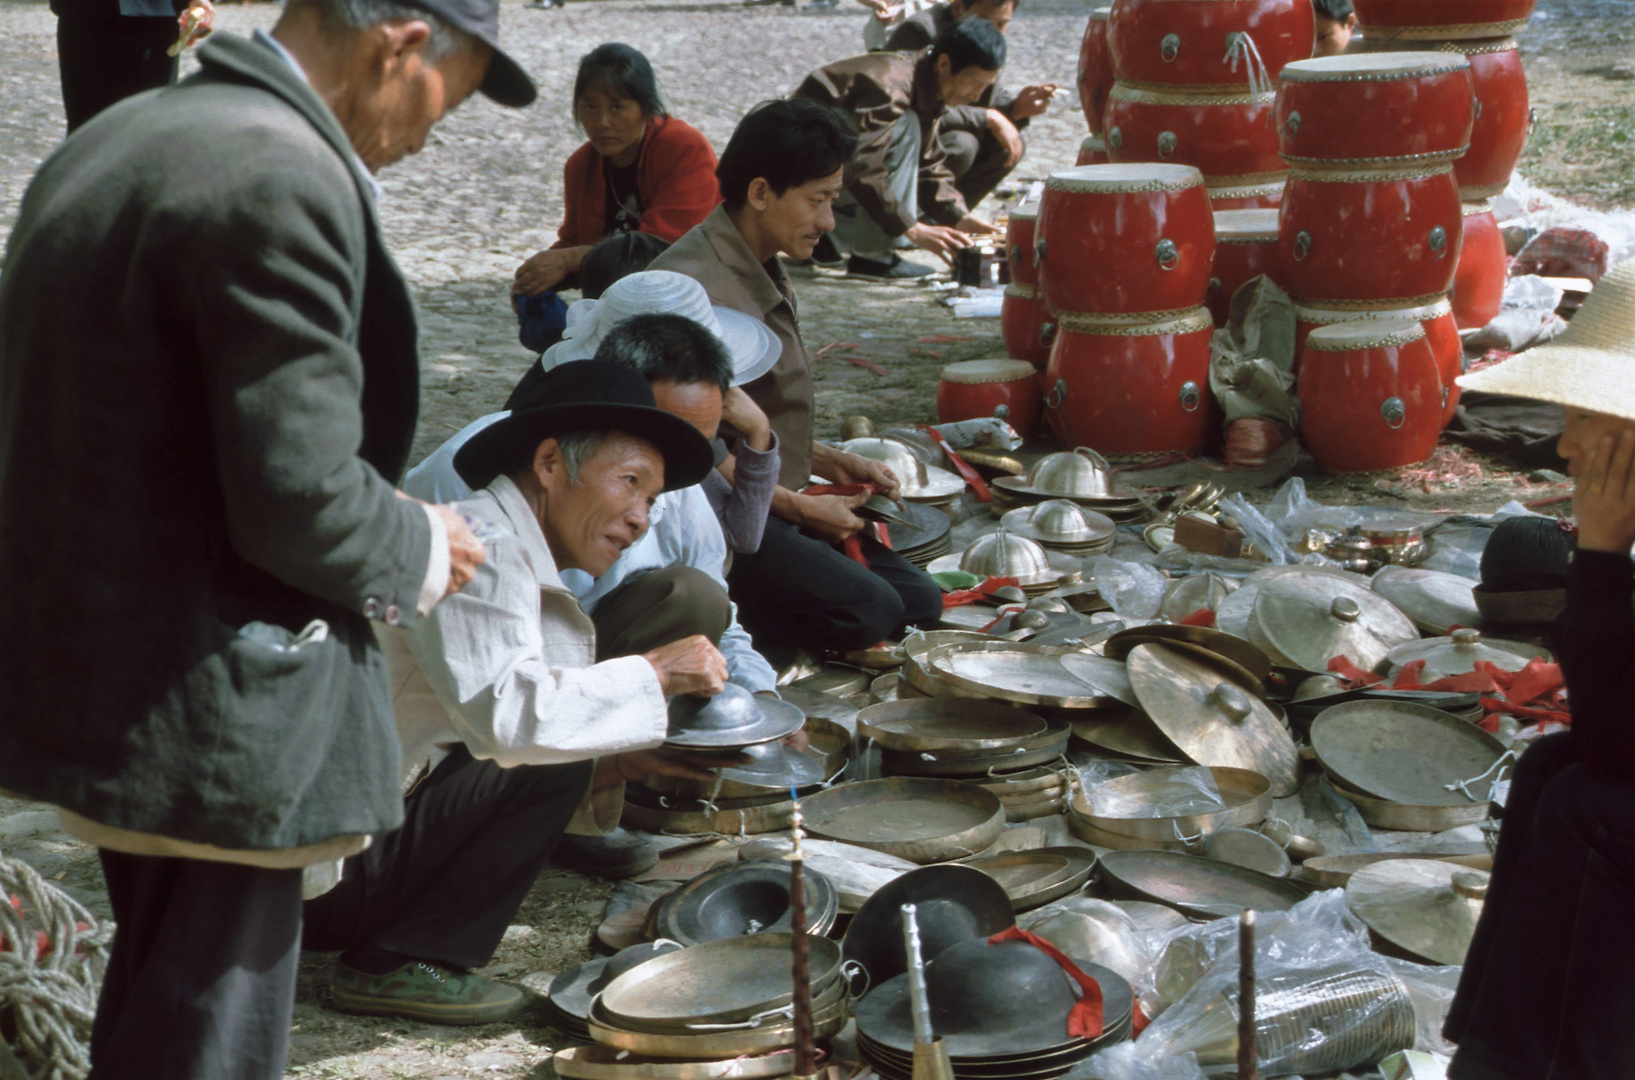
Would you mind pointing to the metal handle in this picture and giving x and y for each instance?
(1039, 250)
(1191, 398)
(1478, 102)
(1394, 411)
(1047, 333)
(1090, 455)
(1016, 254)
(1057, 395)
(1302, 245)
(1115, 137)
(1170, 47)
(1345, 609)
(1003, 412)
(1169, 256)
(1439, 242)
(1291, 126)
(1167, 142)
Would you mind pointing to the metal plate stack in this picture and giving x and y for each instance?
(742, 898)
(1034, 878)
(718, 1000)
(1063, 525)
(1032, 793)
(1004, 554)
(1406, 766)
(921, 819)
(1164, 809)
(923, 535)
(1014, 492)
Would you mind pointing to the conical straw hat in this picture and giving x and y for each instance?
(1591, 366)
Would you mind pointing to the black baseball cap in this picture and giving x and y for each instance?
(505, 82)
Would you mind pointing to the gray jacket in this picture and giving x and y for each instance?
(208, 385)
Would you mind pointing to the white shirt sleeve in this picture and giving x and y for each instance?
(438, 565)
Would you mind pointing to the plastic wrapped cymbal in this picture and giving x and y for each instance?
(1197, 887)
(1434, 600)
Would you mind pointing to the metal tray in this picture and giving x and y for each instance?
(1010, 671)
(947, 725)
(1248, 797)
(760, 1040)
(919, 819)
(1333, 871)
(1194, 886)
(726, 981)
(1404, 753)
(1407, 817)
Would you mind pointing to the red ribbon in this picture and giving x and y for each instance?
(1537, 692)
(1084, 1019)
(975, 594)
(852, 547)
(1202, 617)
(979, 486)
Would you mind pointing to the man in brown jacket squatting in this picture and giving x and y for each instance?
(899, 171)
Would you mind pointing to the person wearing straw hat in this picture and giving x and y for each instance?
(1544, 990)
(513, 704)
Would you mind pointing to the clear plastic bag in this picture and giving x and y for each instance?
(1267, 538)
(1294, 512)
(1173, 793)
(1128, 1061)
(1432, 990)
(1101, 932)
(1134, 590)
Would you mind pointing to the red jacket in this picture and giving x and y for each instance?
(675, 180)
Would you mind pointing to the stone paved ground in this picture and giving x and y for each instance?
(486, 193)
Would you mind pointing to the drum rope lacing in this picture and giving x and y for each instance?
(52, 991)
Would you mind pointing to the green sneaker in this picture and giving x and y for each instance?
(423, 991)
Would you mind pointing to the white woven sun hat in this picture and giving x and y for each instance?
(1591, 366)
(753, 347)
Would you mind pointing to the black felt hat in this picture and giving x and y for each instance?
(504, 82)
(586, 395)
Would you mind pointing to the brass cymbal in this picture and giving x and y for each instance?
(1212, 720)
(1436, 601)
(1129, 733)
(1406, 753)
(1235, 649)
(1304, 619)
(1426, 908)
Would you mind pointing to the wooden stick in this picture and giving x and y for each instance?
(1248, 1053)
(805, 1053)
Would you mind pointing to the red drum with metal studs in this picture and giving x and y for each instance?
(974, 389)
(1370, 396)
(1376, 238)
(1092, 151)
(1368, 109)
(1135, 384)
(1263, 192)
(1442, 20)
(1019, 243)
(1503, 117)
(1125, 238)
(1222, 134)
(1435, 318)
(1095, 69)
(1245, 248)
(1484, 267)
(1025, 324)
(1201, 42)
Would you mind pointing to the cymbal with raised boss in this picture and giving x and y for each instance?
(1407, 753)
(731, 720)
(1436, 601)
(1303, 620)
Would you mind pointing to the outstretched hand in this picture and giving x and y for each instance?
(1604, 496)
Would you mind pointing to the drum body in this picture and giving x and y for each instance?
(1247, 192)
(1024, 324)
(1092, 151)
(1130, 386)
(1442, 20)
(1484, 267)
(1245, 248)
(1095, 69)
(1125, 238)
(1384, 238)
(1019, 243)
(1370, 396)
(1436, 319)
(1191, 41)
(1368, 108)
(1220, 134)
(975, 389)
(1502, 120)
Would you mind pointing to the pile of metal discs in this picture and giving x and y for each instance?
(741, 898)
(1081, 476)
(1034, 878)
(1160, 810)
(1062, 525)
(925, 484)
(921, 534)
(718, 1000)
(1003, 554)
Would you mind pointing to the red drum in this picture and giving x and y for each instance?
(1245, 248)
(1125, 238)
(1196, 42)
(1008, 389)
(1095, 69)
(1372, 108)
(1436, 319)
(1247, 192)
(1382, 238)
(1019, 243)
(1221, 134)
(1370, 396)
(1092, 151)
(1484, 267)
(1024, 324)
(1442, 20)
(1503, 118)
(1129, 385)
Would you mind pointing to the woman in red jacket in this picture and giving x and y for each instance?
(640, 168)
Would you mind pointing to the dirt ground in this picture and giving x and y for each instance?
(486, 193)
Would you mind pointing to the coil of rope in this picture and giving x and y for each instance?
(52, 957)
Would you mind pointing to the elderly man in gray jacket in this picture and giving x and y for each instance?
(200, 519)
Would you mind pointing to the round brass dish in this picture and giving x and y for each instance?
(1404, 753)
(923, 820)
(1248, 798)
(1010, 671)
(948, 725)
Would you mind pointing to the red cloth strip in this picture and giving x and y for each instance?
(1084, 1020)
(978, 485)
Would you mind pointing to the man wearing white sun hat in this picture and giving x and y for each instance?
(1544, 991)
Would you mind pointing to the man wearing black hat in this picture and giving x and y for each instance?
(512, 703)
(198, 491)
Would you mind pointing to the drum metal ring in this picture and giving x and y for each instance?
(1115, 137)
(1057, 395)
(1292, 124)
(1394, 411)
(1039, 249)
(1047, 333)
(1169, 256)
(1167, 142)
(1170, 47)
(1190, 397)
(1439, 241)
(1302, 245)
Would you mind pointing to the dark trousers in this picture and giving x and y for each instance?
(1546, 990)
(800, 593)
(977, 160)
(105, 58)
(444, 887)
(201, 978)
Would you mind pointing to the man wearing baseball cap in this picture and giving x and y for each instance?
(199, 491)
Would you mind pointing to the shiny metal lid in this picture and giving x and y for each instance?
(1305, 619)
(1458, 653)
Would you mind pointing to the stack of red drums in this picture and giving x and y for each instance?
(1245, 248)
(1478, 30)
(1095, 69)
(1196, 85)
(1024, 323)
(1124, 258)
(976, 389)
(1371, 223)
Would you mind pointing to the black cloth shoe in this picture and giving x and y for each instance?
(619, 854)
(824, 252)
(897, 269)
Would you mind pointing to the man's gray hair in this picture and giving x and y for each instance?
(578, 447)
(363, 14)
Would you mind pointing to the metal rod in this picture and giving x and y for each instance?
(1248, 1053)
(805, 1052)
(919, 1009)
